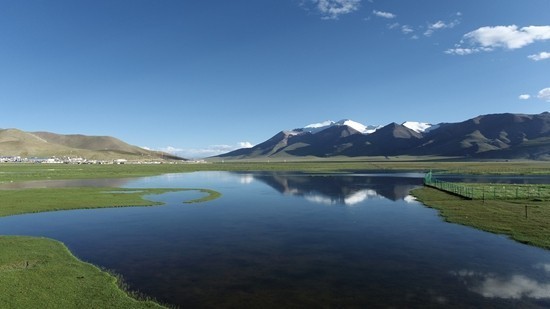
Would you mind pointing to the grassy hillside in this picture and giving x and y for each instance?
(14, 142)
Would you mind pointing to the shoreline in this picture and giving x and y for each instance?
(76, 172)
(31, 265)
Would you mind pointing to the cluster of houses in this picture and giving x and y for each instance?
(79, 160)
(58, 160)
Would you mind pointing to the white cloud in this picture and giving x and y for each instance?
(384, 14)
(406, 29)
(319, 125)
(439, 25)
(540, 56)
(245, 145)
(208, 151)
(412, 30)
(393, 26)
(524, 97)
(170, 149)
(508, 37)
(466, 51)
(333, 9)
(544, 94)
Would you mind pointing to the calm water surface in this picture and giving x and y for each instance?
(284, 240)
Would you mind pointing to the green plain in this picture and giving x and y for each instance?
(526, 221)
(14, 172)
(42, 273)
(492, 191)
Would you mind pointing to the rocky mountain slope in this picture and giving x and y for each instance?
(508, 136)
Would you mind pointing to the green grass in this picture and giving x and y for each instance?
(492, 191)
(509, 191)
(210, 195)
(42, 273)
(10, 172)
(51, 199)
(508, 217)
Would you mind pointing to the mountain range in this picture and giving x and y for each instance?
(14, 142)
(493, 136)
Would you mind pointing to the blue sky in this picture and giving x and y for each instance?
(198, 77)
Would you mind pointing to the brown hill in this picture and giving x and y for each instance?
(14, 142)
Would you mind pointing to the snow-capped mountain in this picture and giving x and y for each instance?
(419, 127)
(486, 136)
(359, 127)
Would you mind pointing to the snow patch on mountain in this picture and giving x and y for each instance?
(419, 127)
(318, 127)
(352, 124)
(323, 124)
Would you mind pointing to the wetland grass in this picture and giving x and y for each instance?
(526, 221)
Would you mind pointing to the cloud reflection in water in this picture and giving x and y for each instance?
(513, 287)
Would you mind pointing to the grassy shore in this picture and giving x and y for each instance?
(526, 221)
(42, 273)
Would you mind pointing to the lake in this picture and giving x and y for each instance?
(295, 240)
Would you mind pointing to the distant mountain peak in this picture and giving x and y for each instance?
(359, 127)
(418, 127)
(510, 136)
(319, 125)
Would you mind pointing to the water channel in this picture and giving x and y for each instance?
(283, 240)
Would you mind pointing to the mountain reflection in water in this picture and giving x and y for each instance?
(263, 244)
(339, 189)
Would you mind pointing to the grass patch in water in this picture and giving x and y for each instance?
(23, 201)
(210, 195)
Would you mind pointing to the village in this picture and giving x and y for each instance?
(59, 160)
(80, 160)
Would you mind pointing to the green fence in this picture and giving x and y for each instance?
(490, 191)
(450, 187)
